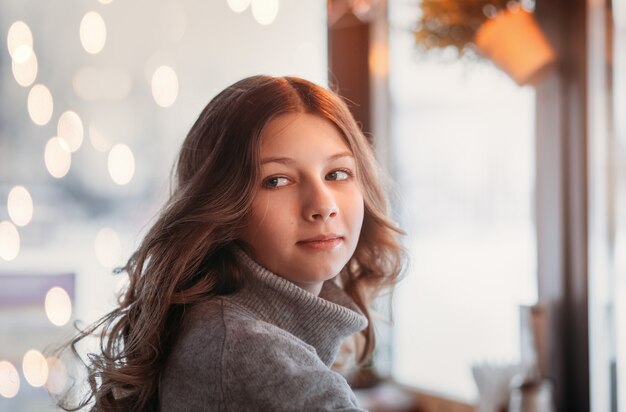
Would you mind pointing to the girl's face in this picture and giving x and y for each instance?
(307, 215)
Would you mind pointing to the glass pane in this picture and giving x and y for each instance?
(617, 323)
(603, 188)
(463, 141)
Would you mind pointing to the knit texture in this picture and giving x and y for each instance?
(268, 347)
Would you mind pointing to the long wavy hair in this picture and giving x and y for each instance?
(187, 256)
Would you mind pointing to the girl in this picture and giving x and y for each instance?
(263, 261)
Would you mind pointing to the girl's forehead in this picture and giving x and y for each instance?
(302, 131)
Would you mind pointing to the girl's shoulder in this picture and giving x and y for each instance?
(228, 355)
(222, 319)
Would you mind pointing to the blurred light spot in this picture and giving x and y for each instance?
(264, 11)
(98, 139)
(85, 85)
(121, 164)
(238, 5)
(20, 206)
(25, 73)
(93, 32)
(58, 306)
(91, 83)
(40, 104)
(19, 35)
(154, 62)
(378, 59)
(22, 53)
(57, 376)
(9, 241)
(105, 1)
(361, 8)
(490, 11)
(9, 380)
(70, 129)
(513, 6)
(108, 247)
(529, 5)
(115, 83)
(58, 157)
(164, 86)
(35, 368)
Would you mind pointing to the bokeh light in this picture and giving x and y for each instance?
(164, 86)
(378, 59)
(70, 129)
(35, 368)
(22, 54)
(99, 140)
(238, 6)
(115, 83)
(121, 164)
(58, 306)
(92, 83)
(58, 157)
(20, 205)
(40, 104)
(93, 32)
(84, 83)
(108, 247)
(9, 241)
(25, 73)
(57, 375)
(265, 11)
(9, 380)
(19, 41)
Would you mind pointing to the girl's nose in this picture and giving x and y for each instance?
(320, 204)
(324, 213)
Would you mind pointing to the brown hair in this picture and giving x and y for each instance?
(186, 256)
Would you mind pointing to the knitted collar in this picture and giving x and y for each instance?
(322, 321)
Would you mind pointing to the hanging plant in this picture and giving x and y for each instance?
(445, 23)
(500, 30)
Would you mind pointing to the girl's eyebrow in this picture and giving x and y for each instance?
(288, 160)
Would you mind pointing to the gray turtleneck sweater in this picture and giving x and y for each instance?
(268, 347)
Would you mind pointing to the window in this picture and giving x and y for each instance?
(607, 206)
(618, 327)
(463, 145)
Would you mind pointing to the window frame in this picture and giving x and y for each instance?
(562, 201)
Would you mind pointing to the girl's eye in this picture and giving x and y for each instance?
(339, 175)
(274, 182)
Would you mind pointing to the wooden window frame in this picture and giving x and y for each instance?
(562, 200)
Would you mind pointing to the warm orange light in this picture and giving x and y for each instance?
(378, 59)
(516, 44)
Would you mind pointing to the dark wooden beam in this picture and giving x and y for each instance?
(348, 50)
(562, 191)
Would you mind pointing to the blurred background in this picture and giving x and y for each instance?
(498, 121)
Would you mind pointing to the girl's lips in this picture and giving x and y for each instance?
(322, 244)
